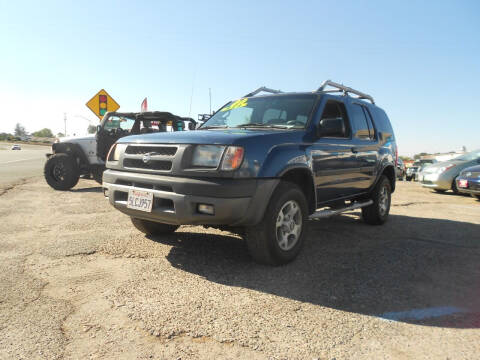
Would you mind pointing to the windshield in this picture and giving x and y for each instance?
(289, 111)
(469, 156)
(119, 122)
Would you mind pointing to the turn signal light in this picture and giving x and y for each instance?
(232, 159)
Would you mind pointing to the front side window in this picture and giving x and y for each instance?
(284, 111)
(334, 112)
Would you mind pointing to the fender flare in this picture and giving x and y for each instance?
(382, 170)
(71, 149)
(305, 169)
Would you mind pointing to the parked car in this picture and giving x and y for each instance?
(468, 181)
(400, 169)
(16, 147)
(261, 166)
(77, 156)
(412, 171)
(441, 176)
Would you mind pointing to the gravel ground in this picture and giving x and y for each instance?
(78, 281)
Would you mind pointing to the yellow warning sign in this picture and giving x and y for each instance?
(101, 103)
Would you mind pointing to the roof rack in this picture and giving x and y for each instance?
(344, 89)
(264, 89)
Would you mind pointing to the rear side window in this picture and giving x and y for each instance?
(360, 123)
(371, 128)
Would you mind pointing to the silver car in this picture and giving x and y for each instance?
(441, 176)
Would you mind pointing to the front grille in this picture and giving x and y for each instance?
(153, 150)
(162, 165)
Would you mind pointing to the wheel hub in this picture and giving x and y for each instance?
(289, 225)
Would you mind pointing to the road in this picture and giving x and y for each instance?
(77, 281)
(17, 165)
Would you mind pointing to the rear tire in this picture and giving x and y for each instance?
(61, 171)
(278, 238)
(377, 213)
(476, 196)
(153, 228)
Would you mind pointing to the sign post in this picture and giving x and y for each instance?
(101, 102)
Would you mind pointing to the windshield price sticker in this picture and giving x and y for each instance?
(236, 104)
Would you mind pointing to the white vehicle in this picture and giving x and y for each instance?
(73, 157)
(16, 147)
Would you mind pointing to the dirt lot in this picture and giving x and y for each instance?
(77, 281)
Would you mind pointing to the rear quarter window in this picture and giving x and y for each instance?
(382, 122)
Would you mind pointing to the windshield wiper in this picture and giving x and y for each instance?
(262, 125)
(213, 127)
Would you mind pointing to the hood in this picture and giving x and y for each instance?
(77, 138)
(220, 137)
(446, 163)
(475, 169)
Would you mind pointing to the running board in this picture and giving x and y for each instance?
(326, 213)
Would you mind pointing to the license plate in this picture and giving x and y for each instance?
(463, 183)
(140, 200)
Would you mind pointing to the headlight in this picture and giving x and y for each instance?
(445, 168)
(115, 151)
(207, 155)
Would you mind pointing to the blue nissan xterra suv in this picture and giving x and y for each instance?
(261, 166)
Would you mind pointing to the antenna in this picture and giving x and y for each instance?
(191, 96)
(210, 95)
(65, 121)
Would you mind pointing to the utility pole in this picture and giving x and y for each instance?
(210, 95)
(65, 121)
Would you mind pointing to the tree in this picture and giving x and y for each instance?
(47, 133)
(92, 129)
(60, 134)
(418, 156)
(5, 136)
(20, 130)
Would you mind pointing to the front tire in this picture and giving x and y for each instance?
(377, 213)
(278, 238)
(454, 186)
(153, 228)
(61, 171)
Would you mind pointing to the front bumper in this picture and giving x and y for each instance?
(436, 181)
(473, 186)
(237, 202)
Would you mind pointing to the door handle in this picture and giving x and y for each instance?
(354, 150)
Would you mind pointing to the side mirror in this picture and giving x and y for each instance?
(99, 127)
(331, 127)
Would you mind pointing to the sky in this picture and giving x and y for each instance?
(420, 60)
